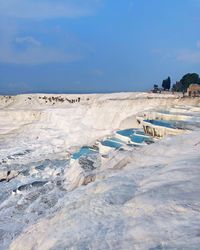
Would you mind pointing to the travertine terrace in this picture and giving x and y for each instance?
(142, 198)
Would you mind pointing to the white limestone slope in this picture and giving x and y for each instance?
(150, 202)
(144, 198)
(30, 122)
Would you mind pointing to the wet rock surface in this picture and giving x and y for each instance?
(91, 162)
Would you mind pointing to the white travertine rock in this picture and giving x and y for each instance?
(144, 198)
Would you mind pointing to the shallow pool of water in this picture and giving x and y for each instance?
(116, 140)
(139, 132)
(139, 139)
(136, 136)
(167, 112)
(126, 132)
(112, 144)
(83, 151)
(162, 123)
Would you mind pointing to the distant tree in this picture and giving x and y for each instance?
(169, 83)
(178, 87)
(155, 88)
(166, 84)
(173, 87)
(190, 78)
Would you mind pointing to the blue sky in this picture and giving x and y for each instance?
(96, 45)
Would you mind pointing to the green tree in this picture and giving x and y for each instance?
(190, 78)
(166, 84)
(177, 87)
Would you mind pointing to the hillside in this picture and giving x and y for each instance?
(139, 196)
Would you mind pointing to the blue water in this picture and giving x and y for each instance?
(126, 132)
(167, 124)
(175, 113)
(138, 139)
(138, 132)
(111, 144)
(164, 112)
(83, 151)
(136, 136)
(116, 140)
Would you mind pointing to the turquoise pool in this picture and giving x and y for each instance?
(84, 151)
(139, 132)
(139, 139)
(112, 144)
(136, 136)
(116, 140)
(126, 132)
(162, 123)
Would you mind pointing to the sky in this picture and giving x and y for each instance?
(89, 46)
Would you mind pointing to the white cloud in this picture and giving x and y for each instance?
(44, 9)
(37, 55)
(29, 40)
(189, 56)
(34, 52)
(13, 21)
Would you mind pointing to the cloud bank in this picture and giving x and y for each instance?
(17, 43)
(190, 56)
(46, 9)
